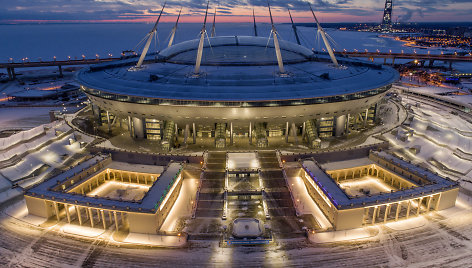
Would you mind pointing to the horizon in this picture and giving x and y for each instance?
(144, 11)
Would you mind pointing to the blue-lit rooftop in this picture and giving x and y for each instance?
(236, 68)
(342, 201)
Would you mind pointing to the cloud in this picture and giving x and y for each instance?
(406, 10)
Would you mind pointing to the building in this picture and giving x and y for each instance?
(239, 91)
(378, 189)
(104, 192)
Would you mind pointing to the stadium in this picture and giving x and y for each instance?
(237, 86)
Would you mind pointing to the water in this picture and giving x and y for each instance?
(62, 40)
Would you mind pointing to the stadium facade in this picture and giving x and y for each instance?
(239, 91)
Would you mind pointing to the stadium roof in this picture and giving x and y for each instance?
(236, 68)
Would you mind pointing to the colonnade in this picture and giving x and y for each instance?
(401, 209)
(338, 126)
(371, 170)
(114, 175)
(97, 217)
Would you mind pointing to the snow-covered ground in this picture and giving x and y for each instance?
(243, 161)
(442, 140)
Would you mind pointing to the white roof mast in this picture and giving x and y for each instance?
(213, 32)
(174, 29)
(325, 40)
(200, 45)
(276, 43)
(150, 36)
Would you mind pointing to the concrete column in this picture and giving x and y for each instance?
(286, 132)
(60, 70)
(108, 122)
(250, 132)
(77, 210)
(437, 202)
(420, 200)
(13, 74)
(408, 209)
(186, 133)
(130, 126)
(103, 219)
(340, 125)
(373, 215)
(231, 133)
(429, 203)
(387, 208)
(393, 61)
(56, 209)
(10, 76)
(366, 116)
(347, 123)
(303, 131)
(87, 216)
(91, 216)
(138, 128)
(399, 207)
(194, 133)
(109, 217)
(67, 212)
(294, 133)
(116, 220)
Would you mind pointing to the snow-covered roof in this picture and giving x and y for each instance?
(342, 201)
(236, 69)
(158, 191)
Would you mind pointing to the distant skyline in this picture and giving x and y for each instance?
(357, 11)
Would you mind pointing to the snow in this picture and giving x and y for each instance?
(118, 190)
(304, 204)
(232, 82)
(20, 137)
(407, 224)
(246, 227)
(242, 161)
(75, 229)
(182, 206)
(440, 136)
(344, 236)
(155, 240)
(24, 117)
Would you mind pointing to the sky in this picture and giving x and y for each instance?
(72, 11)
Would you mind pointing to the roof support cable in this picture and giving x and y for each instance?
(174, 29)
(325, 39)
(294, 28)
(200, 44)
(213, 33)
(151, 35)
(278, 54)
(255, 27)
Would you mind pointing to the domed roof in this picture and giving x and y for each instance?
(236, 50)
(238, 68)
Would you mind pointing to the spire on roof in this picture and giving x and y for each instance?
(325, 40)
(174, 29)
(150, 36)
(200, 44)
(278, 54)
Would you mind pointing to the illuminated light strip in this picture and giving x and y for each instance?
(405, 200)
(170, 192)
(317, 188)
